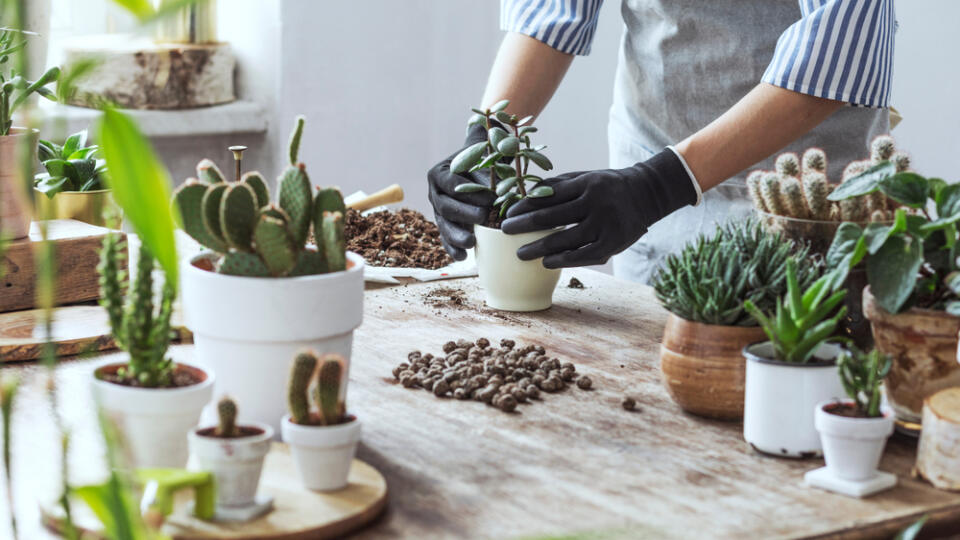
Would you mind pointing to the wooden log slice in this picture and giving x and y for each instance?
(938, 454)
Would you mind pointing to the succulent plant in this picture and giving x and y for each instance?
(227, 416)
(710, 278)
(14, 87)
(326, 393)
(139, 327)
(255, 237)
(861, 374)
(70, 166)
(507, 153)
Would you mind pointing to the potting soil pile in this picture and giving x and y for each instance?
(404, 239)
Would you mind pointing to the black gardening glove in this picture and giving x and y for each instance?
(611, 208)
(457, 213)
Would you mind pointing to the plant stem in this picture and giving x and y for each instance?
(518, 161)
(490, 149)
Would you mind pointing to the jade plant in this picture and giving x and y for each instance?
(710, 278)
(326, 393)
(227, 418)
(861, 374)
(507, 154)
(139, 325)
(802, 319)
(70, 166)
(15, 89)
(255, 237)
(913, 260)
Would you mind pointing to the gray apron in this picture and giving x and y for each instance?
(682, 64)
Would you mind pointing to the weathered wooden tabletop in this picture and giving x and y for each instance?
(572, 462)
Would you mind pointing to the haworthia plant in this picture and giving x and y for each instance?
(257, 238)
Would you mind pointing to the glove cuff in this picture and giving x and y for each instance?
(672, 186)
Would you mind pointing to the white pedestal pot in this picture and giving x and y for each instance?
(250, 328)
(154, 422)
(322, 454)
(235, 462)
(509, 283)
(852, 446)
(780, 397)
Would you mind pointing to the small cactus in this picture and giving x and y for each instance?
(793, 199)
(901, 160)
(881, 149)
(854, 209)
(770, 191)
(303, 367)
(815, 192)
(326, 394)
(854, 168)
(815, 159)
(753, 188)
(227, 414)
(788, 164)
(329, 381)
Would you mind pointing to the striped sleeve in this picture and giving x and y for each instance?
(840, 50)
(566, 25)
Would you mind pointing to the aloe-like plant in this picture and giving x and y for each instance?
(861, 374)
(14, 86)
(711, 277)
(507, 154)
(71, 166)
(803, 319)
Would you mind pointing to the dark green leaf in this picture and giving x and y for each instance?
(532, 178)
(500, 105)
(467, 158)
(844, 247)
(876, 233)
(504, 170)
(509, 146)
(907, 188)
(538, 158)
(540, 191)
(948, 202)
(504, 185)
(47, 150)
(487, 161)
(60, 167)
(866, 182)
(892, 272)
(74, 142)
(496, 134)
(85, 168)
(508, 203)
(936, 185)
(470, 187)
(508, 196)
(51, 185)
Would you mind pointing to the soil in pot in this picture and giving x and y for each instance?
(404, 239)
(848, 410)
(242, 431)
(182, 376)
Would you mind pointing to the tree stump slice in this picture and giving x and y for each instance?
(141, 74)
(938, 454)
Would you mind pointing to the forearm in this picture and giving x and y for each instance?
(764, 121)
(527, 72)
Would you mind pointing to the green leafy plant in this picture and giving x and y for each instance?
(803, 319)
(70, 166)
(254, 237)
(710, 278)
(507, 153)
(14, 86)
(861, 374)
(330, 404)
(912, 261)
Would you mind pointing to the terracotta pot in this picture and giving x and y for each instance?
(703, 366)
(923, 344)
(14, 208)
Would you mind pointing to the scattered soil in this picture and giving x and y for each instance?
(402, 239)
(575, 284)
(629, 403)
(848, 410)
(455, 298)
(503, 377)
(182, 376)
(244, 431)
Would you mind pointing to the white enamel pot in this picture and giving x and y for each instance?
(154, 422)
(852, 447)
(248, 329)
(509, 283)
(235, 462)
(780, 397)
(322, 454)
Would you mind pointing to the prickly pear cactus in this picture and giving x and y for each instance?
(298, 402)
(329, 380)
(227, 414)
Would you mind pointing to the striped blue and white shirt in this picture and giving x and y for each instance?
(839, 49)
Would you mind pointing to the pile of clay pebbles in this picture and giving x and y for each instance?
(502, 376)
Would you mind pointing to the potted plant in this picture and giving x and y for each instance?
(912, 297)
(263, 293)
(234, 454)
(704, 287)
(153, 401)
(508, 283)
(72, 186)
(323, 443)
(796, 369)
(15, 89)
(854, 431)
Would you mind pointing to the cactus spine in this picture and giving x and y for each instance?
(303, 367)
(255, 237)
(326, 393)
(227, 414)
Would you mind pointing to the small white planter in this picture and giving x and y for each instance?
(779, 400)
(249, 329)
(235, 462)
(852, 446)
(322, 454)
(154, 422)
(509, 283)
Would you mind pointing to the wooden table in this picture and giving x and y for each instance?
(574, 462)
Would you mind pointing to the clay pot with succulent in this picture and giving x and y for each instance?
(262, 293)
(913, 297)
(704, 287)
(15, 90)
(508, 283)
(72, 186)
(324, 442)
(788, 375)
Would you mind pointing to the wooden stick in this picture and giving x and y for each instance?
(387, 195)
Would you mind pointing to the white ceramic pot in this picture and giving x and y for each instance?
(248, 330)
(322, 454)
(154, 422)
(235, 462)
(852, 446)
(509, 283)
(780, 397)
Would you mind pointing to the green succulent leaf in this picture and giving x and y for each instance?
(471, 187)
(476, 119)
(60, 167)
(487, 162)
(538, 158)
(540, 191)
(508, 196)
(74, 142)
(524, 120)
(509, 146)
(526, 130)
(500, 105)
(504, 170)
(504, 118)
(467, 158)
(496, 134)
(504, 185)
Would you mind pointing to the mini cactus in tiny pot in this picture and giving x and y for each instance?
(227, 414)
(330, 370)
